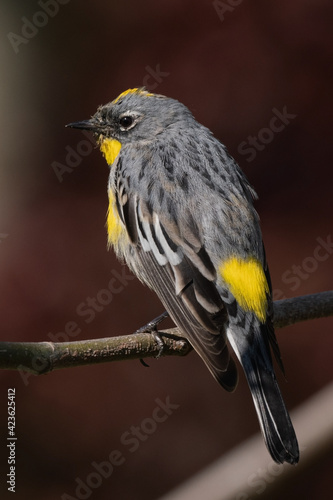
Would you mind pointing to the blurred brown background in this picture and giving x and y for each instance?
(234, 70)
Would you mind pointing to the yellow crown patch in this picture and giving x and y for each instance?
(138, 90)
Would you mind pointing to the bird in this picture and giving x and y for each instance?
(181, 215)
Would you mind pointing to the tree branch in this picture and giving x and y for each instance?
(290, 311)
(43, 357)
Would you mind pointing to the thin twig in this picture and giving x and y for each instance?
(43, 357)
(306, 307)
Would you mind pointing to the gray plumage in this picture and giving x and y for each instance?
(186, 208)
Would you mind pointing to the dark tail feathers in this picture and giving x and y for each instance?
(275, 423)
(273, 416)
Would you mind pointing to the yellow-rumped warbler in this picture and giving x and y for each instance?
(181, 215)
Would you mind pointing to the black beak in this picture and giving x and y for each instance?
(87, 125)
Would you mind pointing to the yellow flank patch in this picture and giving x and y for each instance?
(110, 149)
(113, 222)
(247, 283)
(139, 91)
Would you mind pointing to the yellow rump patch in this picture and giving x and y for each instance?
(140, 91)
(110, 149)
(114, 226)
(247, 283)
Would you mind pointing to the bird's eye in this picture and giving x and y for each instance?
(126, 121)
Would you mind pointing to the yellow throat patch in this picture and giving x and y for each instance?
(114, 225)
(110, 149)
(247, 282)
